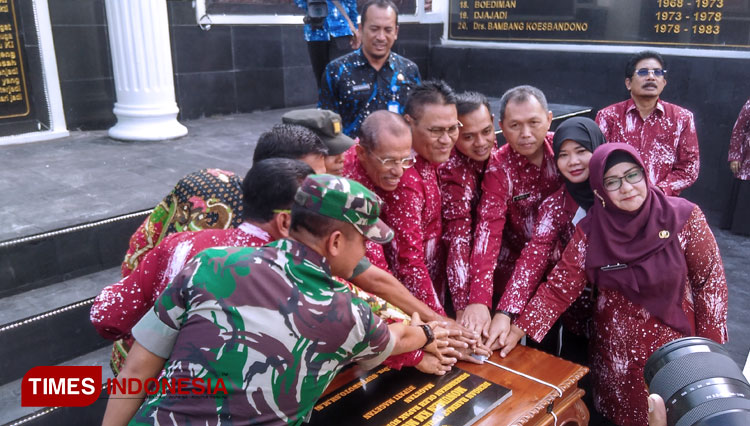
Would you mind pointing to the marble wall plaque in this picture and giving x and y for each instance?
(677, 23)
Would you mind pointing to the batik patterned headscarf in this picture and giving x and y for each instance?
(207, 199)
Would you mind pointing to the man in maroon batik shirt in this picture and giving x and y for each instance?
(460, 184)
(662, 133)
(739, 165)
(379, 161)
(519, 176)
(413, 210)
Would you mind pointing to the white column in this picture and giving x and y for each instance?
(142, 64)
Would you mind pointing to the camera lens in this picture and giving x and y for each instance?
(700, 384)
(317, 8)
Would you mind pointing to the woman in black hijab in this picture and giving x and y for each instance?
(574, 143)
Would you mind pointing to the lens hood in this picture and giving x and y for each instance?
(700, 384)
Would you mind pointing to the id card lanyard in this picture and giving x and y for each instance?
(393, 105)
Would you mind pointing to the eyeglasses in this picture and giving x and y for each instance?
(452, 131)
(391, 163)
(632, 176)
(657, 72)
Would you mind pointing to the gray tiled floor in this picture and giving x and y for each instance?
(40, 300)
(10, 400)
(87, 177)
(735, 252)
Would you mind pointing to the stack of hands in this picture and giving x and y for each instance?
(497, 333)
(452, 343)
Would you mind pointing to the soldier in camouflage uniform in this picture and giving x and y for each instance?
(269, 322)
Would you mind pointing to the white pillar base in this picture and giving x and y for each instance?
(142, 66)
(136, 123)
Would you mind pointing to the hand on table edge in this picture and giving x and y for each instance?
(499, 330)
(512, 340)
(431, 364)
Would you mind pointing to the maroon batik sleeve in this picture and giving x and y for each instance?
(604, 120)
(458, 185)
(552, 225)
(119, 306)
(407, 359)
(739, 144)
(687, 162)
(563, 286)
(403, 212)
(708, 283)
(488, 233)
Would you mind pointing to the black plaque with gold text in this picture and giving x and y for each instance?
(678, 23)
(14, 99)
(282, 7)
(409, 398)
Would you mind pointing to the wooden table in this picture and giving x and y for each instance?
(529, 401)
(528, 404)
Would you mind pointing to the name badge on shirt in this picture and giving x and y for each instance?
(614, 267)
(521, 197)
(361, 87)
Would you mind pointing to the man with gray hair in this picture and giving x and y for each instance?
(379, 160)
(383, 153)
(383, 156)
(520, 175)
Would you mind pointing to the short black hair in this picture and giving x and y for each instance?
(270, 185)
(378, 123)
(521, 94)
(468, 102)
(288, 141)
(436, 92)
(638, 57)
(383, 4)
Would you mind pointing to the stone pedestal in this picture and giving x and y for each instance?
(142, 64)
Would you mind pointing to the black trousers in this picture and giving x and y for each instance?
(323, 52)
(735, 216)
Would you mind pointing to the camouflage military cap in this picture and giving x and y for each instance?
(345, 200)
(326, 124)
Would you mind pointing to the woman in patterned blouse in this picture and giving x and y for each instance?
(658, 273)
